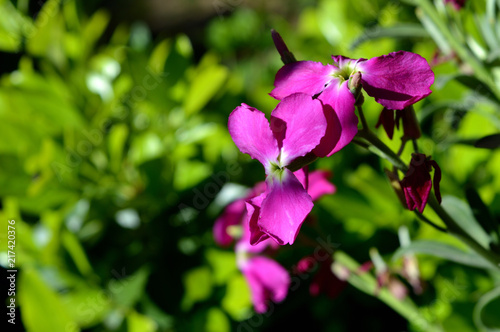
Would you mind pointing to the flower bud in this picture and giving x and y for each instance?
(411, 128)
(286, 55)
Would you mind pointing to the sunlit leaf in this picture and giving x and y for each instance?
(39, 303)
(217, 321)
(237, 302)
(445, 251)
(198, 286)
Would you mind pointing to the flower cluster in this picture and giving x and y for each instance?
(315, 118)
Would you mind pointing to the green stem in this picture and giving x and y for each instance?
(452, 226)
(367, 283)
(363, 119)
(426, 220)
(382, 148)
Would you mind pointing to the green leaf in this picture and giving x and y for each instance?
(127, 291)
(462, 214)
(140, 323)
(486, 311)
(237, 302)
(116, 142)
(203, 88)
(488, 142)
(217, 321)
(408, 30)
(445, 251)
(198, 286)
(42, 309)
(77, 253)
(86, 305)
(223, 264)
(189, 173)
(481, 211)
(145, 147)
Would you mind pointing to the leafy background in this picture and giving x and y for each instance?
(115, 161)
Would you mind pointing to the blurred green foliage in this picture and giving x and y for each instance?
(115, 161)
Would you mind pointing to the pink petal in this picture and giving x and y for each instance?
(342, 121)
(284, 209)
(397, 80)
(303, 76)
(253, 239)
(251, 133)
(303, 176)
(298, 123)
(319, 184)
(268, 281)
(232, 215)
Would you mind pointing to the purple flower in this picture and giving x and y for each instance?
(396, 81)
(316, 185)
(230, 217)
(267, 279)
(417, 182)
(298, 127)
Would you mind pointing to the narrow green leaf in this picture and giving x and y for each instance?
(462, 214)
(481, 211)
(488, 142)
(397, 31)
(445, 251)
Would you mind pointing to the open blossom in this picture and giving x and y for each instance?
(417, 182)
(298, 127)
(396, 81)
(267, 279)
(316, 183)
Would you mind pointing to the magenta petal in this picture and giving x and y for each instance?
(303, 76)
(319, 184)
(284, 209)
(268, 281)
(303, 176)
(398, 79)
(252, 233)
(342, 101)
(298, 123)
(251, 133)
(232, 215)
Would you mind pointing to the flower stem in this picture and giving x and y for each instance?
(380, 146)
(362, 117)
(452, 226)
(428, 221)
